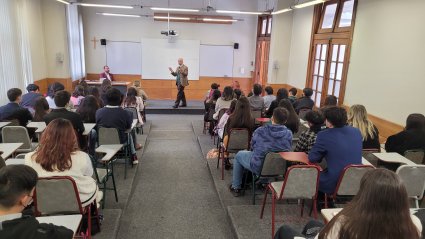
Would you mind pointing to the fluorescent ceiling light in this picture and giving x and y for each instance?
(172, 18)
(117, 15)
(239, 12)
(173, 9)
(218, 20)
(62, 1)
(104, 5)
(282, 11)
(307, 4)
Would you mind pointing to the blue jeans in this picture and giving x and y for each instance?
(242, 160)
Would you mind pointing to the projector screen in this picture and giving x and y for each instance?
(124, 57)
(159, 54)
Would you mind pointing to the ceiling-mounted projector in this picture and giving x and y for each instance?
(170, 33)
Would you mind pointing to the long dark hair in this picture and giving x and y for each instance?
(227, 93)
(281, 94)
(78, 91)
(106, 85)
(41, 107)
(379, 210)
(94, 91)
(130, 98)
(415, 122)
(87, 109)
(293, 122)
(241, 117)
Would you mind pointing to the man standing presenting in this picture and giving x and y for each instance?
(181, 81)
(106, 74)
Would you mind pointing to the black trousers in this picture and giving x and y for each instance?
(311, 229)
(180, 96)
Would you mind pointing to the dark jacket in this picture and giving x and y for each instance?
(269, 138)
(28, 100)
(372, 143)
(118, 118)
(303, 103)
(405, 140)
(12, 111)
(63, 113)
(27, 227)
(341, 147)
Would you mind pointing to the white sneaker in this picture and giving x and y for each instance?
(135, 161)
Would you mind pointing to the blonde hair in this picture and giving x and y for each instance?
(357, 117)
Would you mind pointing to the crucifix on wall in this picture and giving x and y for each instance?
(94, 42)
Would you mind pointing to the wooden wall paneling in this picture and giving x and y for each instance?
(42, 84)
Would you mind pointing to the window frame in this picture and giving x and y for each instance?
(337, 28)
(325, 5)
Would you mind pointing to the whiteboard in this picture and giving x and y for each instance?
(159, 54)
(216, 61)
(124, 57)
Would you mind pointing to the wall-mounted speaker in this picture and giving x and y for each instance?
(103, 42)
(236, 46)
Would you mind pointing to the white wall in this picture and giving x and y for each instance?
(134, 29)
(387, 70)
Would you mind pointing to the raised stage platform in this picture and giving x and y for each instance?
(194, 107)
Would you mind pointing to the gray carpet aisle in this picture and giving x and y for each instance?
(173, 193)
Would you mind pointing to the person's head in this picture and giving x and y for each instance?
(330, 100)
(180, 61)
(94, 91)
(238, 93)
(308, 92)
(62, 98)
(415, 122)
(357, 117)
(84, 84)
(336, 117)
(106, 85)
(61, 134)
(33, 88)
(216, 94)
(41, 108)
(232, 107)
(241, 116)
(106, 69)
(285, 103)
(131, 96)
(55, 87)
(281, 94)
(17, 183)
(315, 120)
(236, 85)
(78, 91)
(113, 97)
(14, 95)
(257, 89)
(293, 91)
(382, 197)
(280, 115)
(227, 93)
(215, 86)
(268, 90)
(87, 109)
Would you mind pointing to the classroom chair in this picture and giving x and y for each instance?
(415, 155)
(256, 114)
(102, 175)
(59, 196)
(238, 139)
(2, 163)
(300, 182)
(208, 120)
(134, 112)
(18, 134)
(220, 114)
(368, 155)
(348, 182)
(413, 177)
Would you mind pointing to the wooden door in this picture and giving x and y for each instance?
(262, 61)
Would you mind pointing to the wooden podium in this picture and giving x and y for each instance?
(120, 85)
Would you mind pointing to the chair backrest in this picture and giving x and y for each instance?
(273, 165)
(301, 181)
(20, 156)
(221, 113)
(16, 134)
(415, 155)
(303, 112)
(238, 140)
(2, 162)
(349, 179)
(413, 177)
(108, 136)
(368, 155)
(133, 111)
(256, 114)
(57, 195)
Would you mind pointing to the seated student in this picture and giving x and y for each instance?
(224, 101)
(210, 109)
(132, 100)
(64, 159)
(88, 108)
(51, 91)
(140, 91)
(379, 210)
(77, 95)
(293, 122)
(256, 101)
(113, 116)
(357, 117)
(412, 137)
(41, 108)
(268, 138)
(219, 129)
(238, 93)
(293, 94)
(12, 110)
(28, 99)
(305, 102)
(281, 94)
(94, 91)
(330, 100)
(104, 87)
(17, 184)
(209, 94)
(61, 101)
(269, 97)
(340, 144)
(307, 139)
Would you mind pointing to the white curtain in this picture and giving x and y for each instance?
(76, 42)
(15, 56)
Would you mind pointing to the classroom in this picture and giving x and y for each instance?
(224, 119)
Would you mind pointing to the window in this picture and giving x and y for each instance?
(264, 26)
(330, 50)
